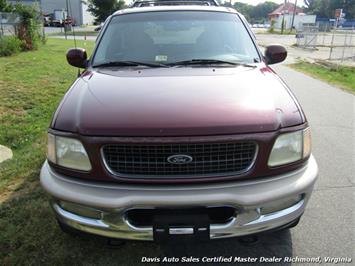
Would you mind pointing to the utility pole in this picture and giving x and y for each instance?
(66, 19)
(294, 14)
(283, 18)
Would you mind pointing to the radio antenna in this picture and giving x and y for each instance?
(68, 3)
(69, 10)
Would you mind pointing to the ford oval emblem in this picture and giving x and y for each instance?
(180, 159)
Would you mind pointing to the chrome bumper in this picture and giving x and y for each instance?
(248, 197)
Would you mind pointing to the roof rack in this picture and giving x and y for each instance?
(145, 3)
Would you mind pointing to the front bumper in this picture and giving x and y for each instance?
(247, 197)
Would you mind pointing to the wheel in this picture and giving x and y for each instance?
(69, 230)
(294, 223)
(291, 224)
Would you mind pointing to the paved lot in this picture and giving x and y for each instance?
(294, 52)
(327, 228)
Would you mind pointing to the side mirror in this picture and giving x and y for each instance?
(77, 57)
(275, 54)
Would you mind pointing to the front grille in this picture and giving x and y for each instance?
(152, 160)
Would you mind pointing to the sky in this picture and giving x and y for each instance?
(255, 2)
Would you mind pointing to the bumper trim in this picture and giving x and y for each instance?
(278, 214)
(125, 230)
(78, 219)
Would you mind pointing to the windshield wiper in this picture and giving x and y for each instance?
(208, 62)
(128, 63)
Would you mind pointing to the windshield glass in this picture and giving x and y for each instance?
(175, 36)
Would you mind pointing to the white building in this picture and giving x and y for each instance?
(77, 8)
(285, 13)
(299, 20)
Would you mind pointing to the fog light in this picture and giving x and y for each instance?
(281, 204)
(81, 210)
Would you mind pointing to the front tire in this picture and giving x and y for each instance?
(68, 230)
(293, 224)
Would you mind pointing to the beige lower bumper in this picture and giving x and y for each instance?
(248, 197)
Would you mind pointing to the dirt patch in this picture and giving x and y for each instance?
(18, 190)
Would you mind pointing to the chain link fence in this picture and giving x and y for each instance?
(339, 43)
(342, 45)
(8, 23)
(307, 37)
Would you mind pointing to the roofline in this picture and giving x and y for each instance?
(142, 3)
(133, 10)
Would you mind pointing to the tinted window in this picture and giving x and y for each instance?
(167, 37)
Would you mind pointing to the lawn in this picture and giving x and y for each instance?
(31, 86)
(343, 77)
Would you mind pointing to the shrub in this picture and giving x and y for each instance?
(29, 28)
(9, 45)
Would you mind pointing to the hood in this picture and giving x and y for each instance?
(177, 102)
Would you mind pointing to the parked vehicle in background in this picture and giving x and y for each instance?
(178, 129)
(46, 20)
(58, 19)
(98, 28)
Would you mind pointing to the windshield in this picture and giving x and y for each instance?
(174, 36)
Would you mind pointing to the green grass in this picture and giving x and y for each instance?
(31, 86)
(343, 77)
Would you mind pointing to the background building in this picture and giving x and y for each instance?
(77, 9)
(286, 13)
(288, 8)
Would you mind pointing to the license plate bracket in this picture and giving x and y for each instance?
(181, 225)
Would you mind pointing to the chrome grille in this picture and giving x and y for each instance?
(152, 160)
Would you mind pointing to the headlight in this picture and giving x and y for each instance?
(68, 152)
(290, 147)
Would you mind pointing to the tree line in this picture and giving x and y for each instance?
(326, 8)
(254, 14)
(321, 8)
(101, 9)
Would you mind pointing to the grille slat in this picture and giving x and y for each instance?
(137, 160)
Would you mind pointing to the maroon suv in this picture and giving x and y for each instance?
(178, 128)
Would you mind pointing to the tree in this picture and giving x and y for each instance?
(326, 8)
(258, 13)
(261, 11)
(101, 9)
(28, 30)
(244, 9)
(5, 7)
